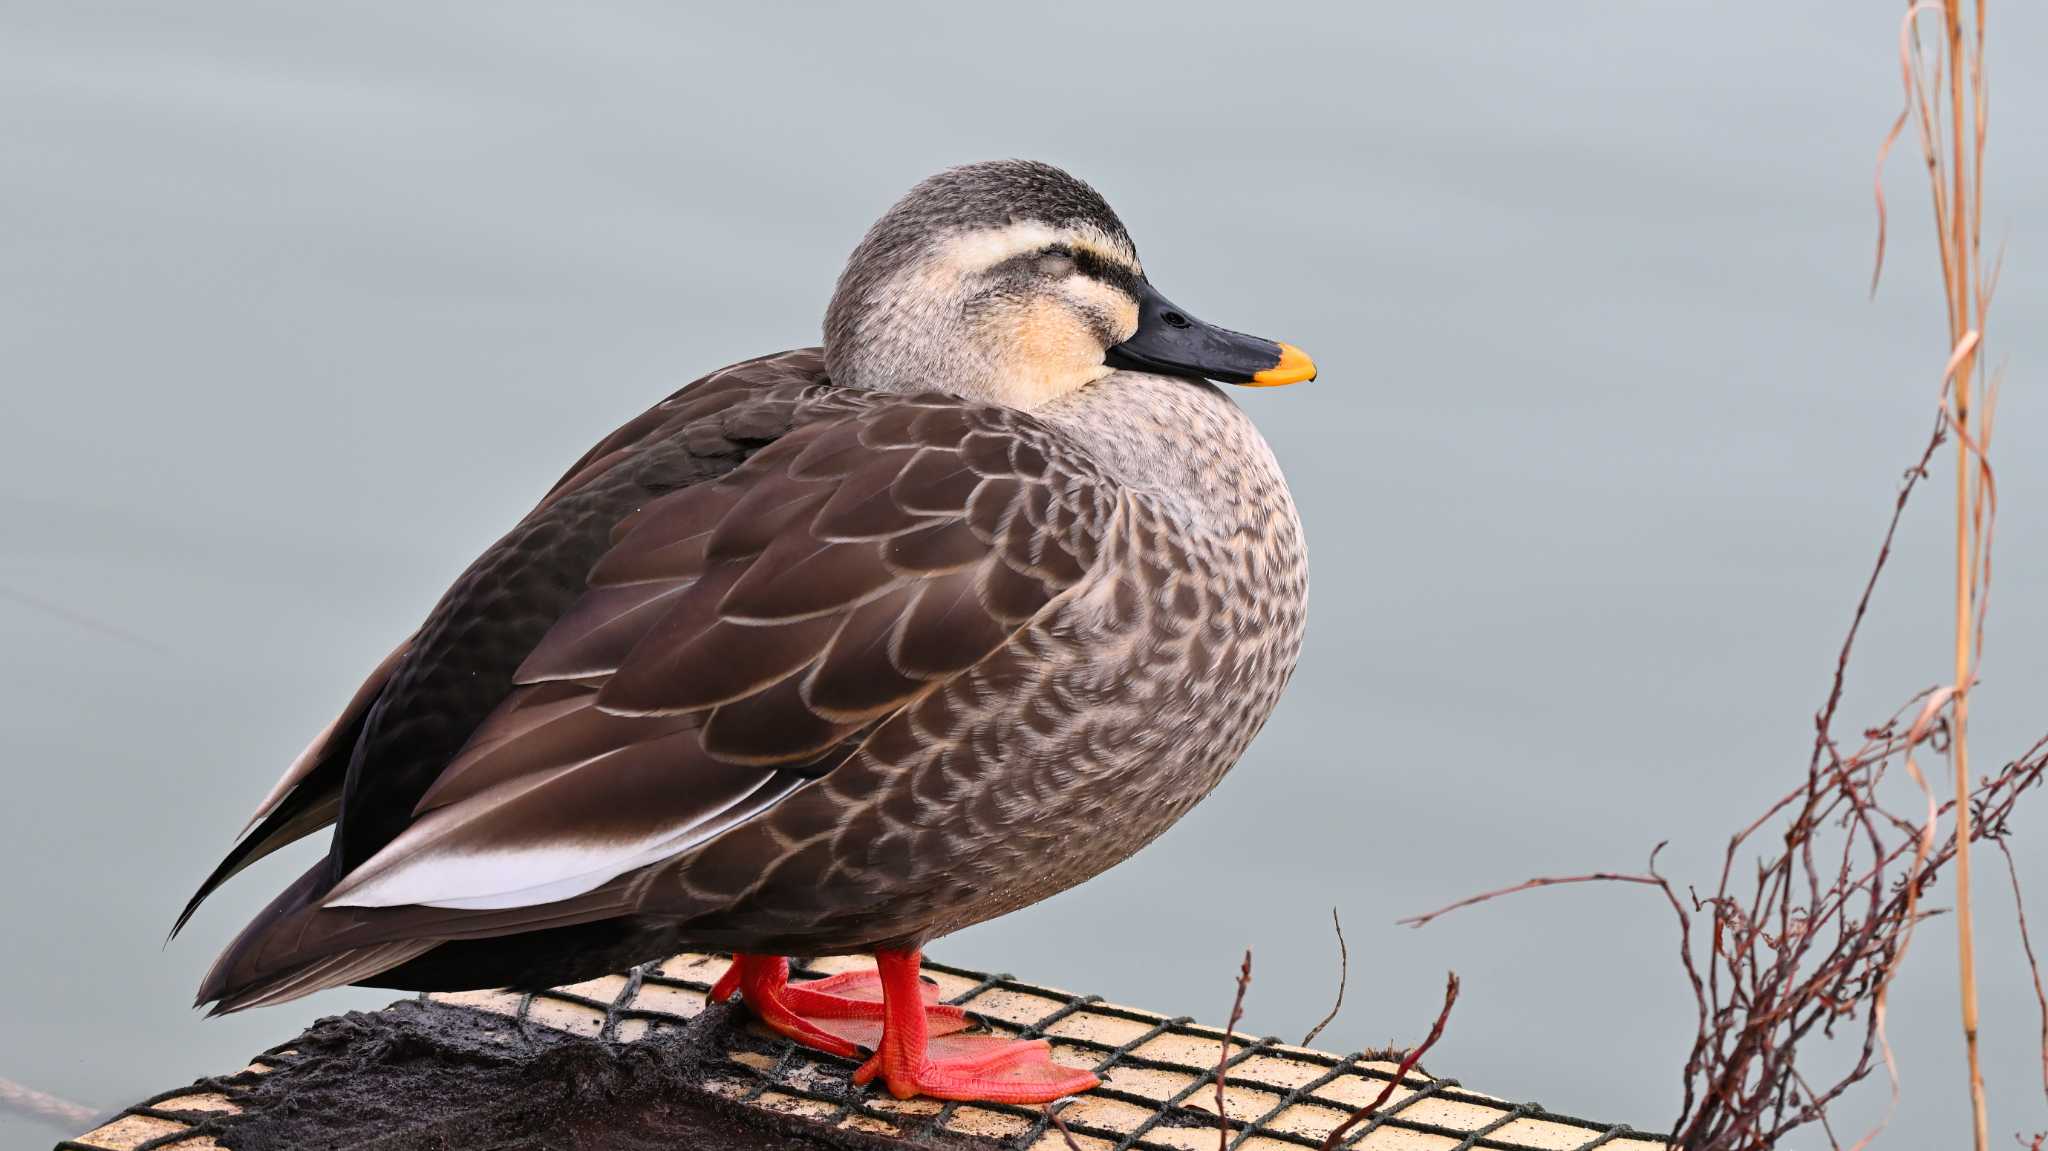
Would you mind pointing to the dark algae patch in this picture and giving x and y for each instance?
(423, 1075)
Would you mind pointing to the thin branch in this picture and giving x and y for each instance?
(1343, 977)
(1427, 918)
(1408, 1062)
(1052, 1114)
(1244, 980)
(2019, 905)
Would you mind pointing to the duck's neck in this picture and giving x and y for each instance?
(1185, 446)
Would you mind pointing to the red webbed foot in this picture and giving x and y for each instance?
(839, 1015)
(915, 1060)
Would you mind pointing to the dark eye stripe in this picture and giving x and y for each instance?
(1095, 267)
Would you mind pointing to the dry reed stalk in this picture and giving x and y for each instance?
(1955, 165)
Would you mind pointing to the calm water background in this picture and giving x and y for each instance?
(300, 306)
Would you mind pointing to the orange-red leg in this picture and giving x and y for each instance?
(839, 1015)
(913, 1059)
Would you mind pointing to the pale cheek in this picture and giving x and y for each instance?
(1046, 350)
(1050, 334)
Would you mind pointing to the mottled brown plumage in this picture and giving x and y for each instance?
(787, 667)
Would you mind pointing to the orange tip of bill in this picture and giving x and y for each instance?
(1294, 367)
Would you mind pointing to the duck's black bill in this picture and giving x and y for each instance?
(1173, 343)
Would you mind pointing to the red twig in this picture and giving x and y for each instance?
(2019, 905)
(1244, 980)
(1424, 920)
(1408, 1061)
(1053, 1114)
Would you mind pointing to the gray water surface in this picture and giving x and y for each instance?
(302, 305)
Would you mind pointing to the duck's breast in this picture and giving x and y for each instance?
(1100, 725)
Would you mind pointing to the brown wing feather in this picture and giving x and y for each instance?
(739, 637)
(749, 628)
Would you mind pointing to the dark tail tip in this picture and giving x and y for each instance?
(300, 815)
(259, 954)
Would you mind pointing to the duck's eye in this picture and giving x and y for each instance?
(1056, 264)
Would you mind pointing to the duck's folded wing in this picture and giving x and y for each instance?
(739, 639)
(308, 796)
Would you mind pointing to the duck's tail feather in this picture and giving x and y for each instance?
(337, 970)
(304, 813)
(269, 961)
(295, 946)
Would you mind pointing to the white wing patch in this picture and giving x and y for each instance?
(429, 865)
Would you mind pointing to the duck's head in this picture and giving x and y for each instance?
(1013, 282)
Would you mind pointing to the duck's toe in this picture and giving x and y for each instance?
(981, 1069)
(839, 1014)
(848, 1006)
